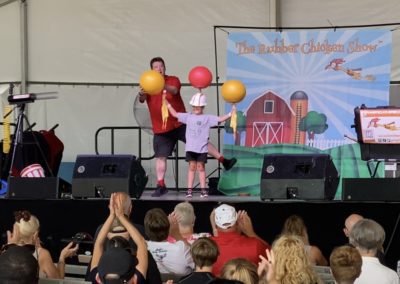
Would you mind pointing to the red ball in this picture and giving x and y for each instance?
(200, 77)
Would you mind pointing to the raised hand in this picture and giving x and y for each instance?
(213, 225)
(68, 251)
(245, 224)
(111, 205)
(14, 236)
(118, 206)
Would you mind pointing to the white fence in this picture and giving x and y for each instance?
(324, 144)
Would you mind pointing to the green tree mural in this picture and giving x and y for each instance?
(313, 123)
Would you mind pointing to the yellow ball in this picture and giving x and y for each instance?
(152, 82)
(233, 91)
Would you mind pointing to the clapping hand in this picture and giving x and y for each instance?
(14, 236)
(245, 224)
(267, 266)
(118, 206)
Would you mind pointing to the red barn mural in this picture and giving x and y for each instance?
(270, 120)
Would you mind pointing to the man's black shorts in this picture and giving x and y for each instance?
(164, 143)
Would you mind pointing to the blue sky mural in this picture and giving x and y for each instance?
(338, 70)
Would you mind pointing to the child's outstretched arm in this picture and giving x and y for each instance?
(172, 110)
(228, 115)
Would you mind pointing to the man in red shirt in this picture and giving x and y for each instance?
(235, 237)
(166, 136)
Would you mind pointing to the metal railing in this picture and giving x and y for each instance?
(140, 157)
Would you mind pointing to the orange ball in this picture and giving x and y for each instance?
(152, 82)
(233, 91)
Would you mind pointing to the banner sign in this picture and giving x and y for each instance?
(302, 87)
(380, 126)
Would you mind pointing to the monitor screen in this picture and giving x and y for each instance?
(378, 125)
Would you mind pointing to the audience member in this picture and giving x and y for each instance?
(345, 262)
(26, 233)
(240, 269)
(117, 262)
(204, 252)
(287, 263)
(294, 225)
(18, 266)
(367, 236)
(350, 222)
(185, 215)
(117, 229)
(235, 236)
(171, 258)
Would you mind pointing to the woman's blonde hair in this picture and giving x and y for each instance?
(291, 262)
(294, 225)
(28, 225)
(240, 269)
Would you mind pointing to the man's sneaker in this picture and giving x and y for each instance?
(204, 193)
(160, 190)
(189, 193)
(229, 163)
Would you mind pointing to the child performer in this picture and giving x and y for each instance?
(198, 127)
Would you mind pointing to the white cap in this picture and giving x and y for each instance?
(198, 99)
(225, 216)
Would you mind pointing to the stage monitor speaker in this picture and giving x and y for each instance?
(371, 189)
(37, 188)
(298, 176)
(101, 175)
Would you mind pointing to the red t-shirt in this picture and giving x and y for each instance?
(234, 245)
(154, 103)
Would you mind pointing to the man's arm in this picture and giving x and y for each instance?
(138, 239)
(99, 243)
(142, 96)
(246, 226)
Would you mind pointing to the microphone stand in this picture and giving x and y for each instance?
(18, 136)
(19, 132)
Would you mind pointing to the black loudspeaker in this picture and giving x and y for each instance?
(298, 176)
(101, 175)
(37, 188)
(371, 189)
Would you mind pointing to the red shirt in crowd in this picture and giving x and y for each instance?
(234, 245)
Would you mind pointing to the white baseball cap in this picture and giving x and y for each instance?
(225, 216)
(198, 99)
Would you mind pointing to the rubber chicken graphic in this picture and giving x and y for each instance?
(355, 73)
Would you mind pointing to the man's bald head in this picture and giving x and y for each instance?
(350, 222)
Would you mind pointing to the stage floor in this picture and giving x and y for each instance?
(174, 195)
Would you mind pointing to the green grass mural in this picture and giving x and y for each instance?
(244, 177)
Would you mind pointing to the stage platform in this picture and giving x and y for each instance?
(63, 218)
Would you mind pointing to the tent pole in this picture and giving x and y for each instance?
(24, 46)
